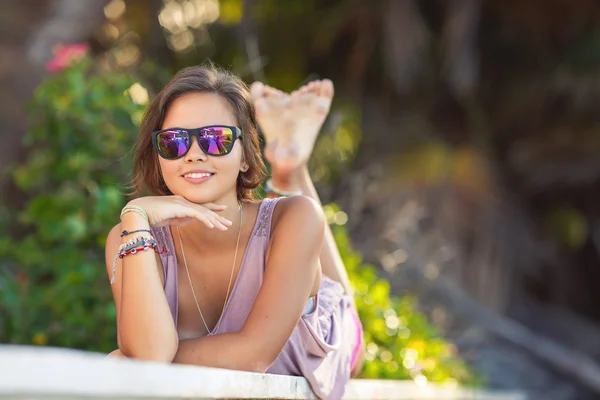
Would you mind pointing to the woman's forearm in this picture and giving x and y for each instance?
(226, 350)
(146, 326)
(330, 258)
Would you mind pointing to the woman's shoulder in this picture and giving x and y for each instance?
(302, 213)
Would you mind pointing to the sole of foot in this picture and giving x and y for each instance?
(291, 123)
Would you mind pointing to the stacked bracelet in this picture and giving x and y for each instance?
(137, 242)
(125, 233)
(273, 190)
(136, 209)
(140, 243)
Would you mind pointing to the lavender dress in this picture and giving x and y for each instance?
(322, 344)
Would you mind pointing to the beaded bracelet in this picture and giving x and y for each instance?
(135, 250)
(272, 189)
(140, 243)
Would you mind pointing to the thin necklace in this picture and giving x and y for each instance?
(230, 277)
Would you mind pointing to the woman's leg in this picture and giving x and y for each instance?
(291, 124)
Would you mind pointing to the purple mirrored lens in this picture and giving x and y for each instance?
(173, 143)
(216, 140)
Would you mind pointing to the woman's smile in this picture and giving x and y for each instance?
(197, 176)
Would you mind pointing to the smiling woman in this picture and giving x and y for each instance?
(233, 282)
(195, 96)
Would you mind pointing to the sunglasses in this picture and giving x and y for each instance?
(214, 140)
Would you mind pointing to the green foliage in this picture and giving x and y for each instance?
(81, 125)
(400, 342)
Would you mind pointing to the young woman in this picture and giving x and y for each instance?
(232, 282)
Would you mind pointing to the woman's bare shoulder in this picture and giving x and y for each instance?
(300, 213)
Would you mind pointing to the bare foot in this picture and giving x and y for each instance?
(272, 113)
(294, 122)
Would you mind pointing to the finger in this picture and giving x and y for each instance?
(220, 226)
(211, 214)
(214, 214)
(212, 220)
(201, 212)
(205, 220)
(224, 220)
(219, 219)
(257, 90)
(190, 212)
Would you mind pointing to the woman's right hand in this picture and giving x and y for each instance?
(176, 210)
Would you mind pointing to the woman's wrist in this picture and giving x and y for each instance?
(132, 221)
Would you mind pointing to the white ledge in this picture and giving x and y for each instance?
(49, 373)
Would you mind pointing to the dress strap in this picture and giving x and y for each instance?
(265, 216)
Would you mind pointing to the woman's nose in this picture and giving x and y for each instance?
(195, 153)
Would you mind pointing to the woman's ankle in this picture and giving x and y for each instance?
(289, 181)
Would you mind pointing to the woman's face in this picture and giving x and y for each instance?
(196, 110)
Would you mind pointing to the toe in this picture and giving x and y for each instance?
(326, 89)
(314, 87)
(309, 87)
(269, 91)
(262, 107)
(257, 90)
(275, 94)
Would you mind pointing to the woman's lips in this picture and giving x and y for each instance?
(197, 177)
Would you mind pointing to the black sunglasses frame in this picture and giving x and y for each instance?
(237, 133)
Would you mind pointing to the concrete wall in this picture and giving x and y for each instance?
(44, 373)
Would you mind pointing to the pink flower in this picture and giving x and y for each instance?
(66, 55)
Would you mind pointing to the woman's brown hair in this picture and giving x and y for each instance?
(207, 78)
